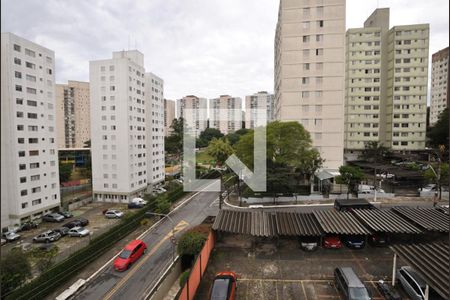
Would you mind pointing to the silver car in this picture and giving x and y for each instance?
(113, 214)
(11, 236)
(47, 237)
(412, 282)
(78, 232)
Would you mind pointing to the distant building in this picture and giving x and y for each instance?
(197, 116)
(439, 84)
(386, 84)
(169, 115)
(73, 114)
(260, 100)
(29, 152)
(225, 114)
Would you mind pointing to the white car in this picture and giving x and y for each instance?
(113, 214)
(428, 188)
(78, 232)
(386, 175)
(139, 201)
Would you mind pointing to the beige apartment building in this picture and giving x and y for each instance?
(258, 101)
(386, 84)
(225, 114)
(309, 72)
(169, 115)
(194, 110)
(72, 114)
(439, 83)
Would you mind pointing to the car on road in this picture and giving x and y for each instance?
(78, 232)
(47, 237)
(354, 241)
(53, 217)
(132, 205)
(131, 253)
(11, 236)
(309, 243)
(349, 284)
(224, 286)
(66, 214)
(63, 231)
(332, 242)
(378, 240)
(113, 214)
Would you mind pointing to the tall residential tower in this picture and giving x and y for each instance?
(439, 84)
(260, 100)
(225, 114)
(194, 110)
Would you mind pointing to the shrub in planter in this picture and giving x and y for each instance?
(184, 277)
(191, 243)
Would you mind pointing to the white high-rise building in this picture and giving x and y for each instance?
(154, 99)
(29, 155)
(439, 84)
(118, 127)
(260, 100)
(197, 116)
(225, 114)
(309, 72)
(169, 115)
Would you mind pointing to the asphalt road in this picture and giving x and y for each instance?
(143, 275)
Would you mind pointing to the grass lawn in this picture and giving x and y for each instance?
(203, 158)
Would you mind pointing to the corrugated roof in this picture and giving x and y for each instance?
(290, 223)
(429, 218)
(233, 221)
(431, 261)
(339, 222)
(384, 220)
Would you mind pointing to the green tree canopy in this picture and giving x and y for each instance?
(234, 137)
(375, 151)
(439, 133)
(15, 269)
(207, 135)
(191, 243)
(219, 149)
(431, 176)
(65, 171)
(174, 142)
(351, 176)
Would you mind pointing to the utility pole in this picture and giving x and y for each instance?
(220, 192)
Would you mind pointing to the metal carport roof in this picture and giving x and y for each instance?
(384, 220)
(256, 223)
(339, 222)
(291, 223)
(429, 218)
(431, 261)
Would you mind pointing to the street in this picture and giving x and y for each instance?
(141, 277)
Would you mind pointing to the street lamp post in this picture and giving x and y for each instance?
(173, 238)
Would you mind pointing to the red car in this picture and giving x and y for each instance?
(332, 242)
(224, 286)
(129, 255)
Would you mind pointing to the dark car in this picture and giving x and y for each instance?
(224, 286)
(72, 224)
(135, 205)
(378, 240)
(83, 221)
(355, 241)
(53, 217)
(27, 226)
(308, 243)
(66, 214)
(62, 230)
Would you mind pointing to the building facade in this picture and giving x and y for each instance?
(194, 111)
(29, 154)
(439, 84)
(225, 114)
(257, 101)
(169, 115)
(154, 99)
(73, 114)
(118, 127)
(309, 72)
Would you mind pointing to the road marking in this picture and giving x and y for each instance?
(180, 226)
(304, 291)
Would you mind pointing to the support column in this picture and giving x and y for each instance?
(427, 292)
(394, 268)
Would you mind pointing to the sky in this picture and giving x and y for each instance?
(202, 47)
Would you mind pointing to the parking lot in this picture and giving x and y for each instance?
(284, 271)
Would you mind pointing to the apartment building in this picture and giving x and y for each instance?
(309, 72)
(439, 84)
(258, 101)
(29, 154)
(225, 114)
(154, 99)
(118, 126)
(194, 111)
(73, 114)
(169, 115)
(386, 84)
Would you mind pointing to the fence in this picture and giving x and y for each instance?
(197, 271)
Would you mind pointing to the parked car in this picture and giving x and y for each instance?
(78, 232)
(131, 253)
(3, 242)
(27, 226)
(63, 231)
(66, 214)
(224, 286)
(114, 214)
(348, 283)
(139, 200)
(332, 242)
(355, 241)
(53, 217)
(80, 222)
(47, 237)
(309, 243)
(412, 282)
(132, 205)
(387, 291)
(378, 240)
(11, 236)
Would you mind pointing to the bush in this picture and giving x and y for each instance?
(44, 259)
(15, 269)
(162, 205)
(191, 243)
(184, 277)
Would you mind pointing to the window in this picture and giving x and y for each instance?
(33, 152)
(23, 192)
(31, 78)
(17, 61)
(19, 101)
(36, 190)
(319, 38)
(33, 140)
(23, 179)
(36, 202)
(20, 127)
(305, 25)
(306, 39)
(18, 88)
(31, 103)
(17, 48)
(111, 68)
(30, 65)
(319, 52)
(22, 167)
(21, 153)
(34, 165)
(30, 52)
(35, 177)
(31, 91)
(17, 74)
(305, 80)
(21, 140)
(19, 114)
(306, 66)
(320, 23)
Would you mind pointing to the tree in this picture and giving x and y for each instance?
(174, 142)
(431, 176)
(162, 205)
(207, 135)
(439, 133)
(219, 149)
(375, 151)
(351, 176)
(191, 243)
(15, 269)
(65, 171)
(234, 137)
(44, 259)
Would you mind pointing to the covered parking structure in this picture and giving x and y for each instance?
(431, 261)
(340, 222)
(297, 224)
(430, 219)
(385, 221)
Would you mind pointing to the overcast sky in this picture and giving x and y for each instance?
(201, 47)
